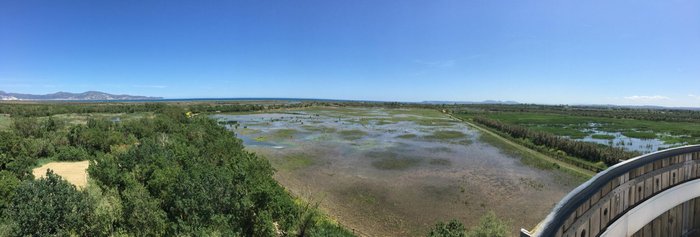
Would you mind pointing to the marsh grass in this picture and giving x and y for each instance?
(603, 136)
(363, 194)
(376, 177)
(439, 149)
(407, 136)
(286, 133)
(319, 128)
(295, 161)
(441, 161)
(260, 139)
(396, 163)
(390, 160)
(640, 135)
(353, 134)
(385, 122)
(574, 126)
(247, 131)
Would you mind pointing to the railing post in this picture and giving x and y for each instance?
(524, 233)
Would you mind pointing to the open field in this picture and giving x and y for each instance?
(636, 135)
(73, 172)
(396, 172)
(74, 118)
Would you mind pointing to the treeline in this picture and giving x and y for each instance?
(584, 150)
(48, 109)
(163, 176)
(652, 114)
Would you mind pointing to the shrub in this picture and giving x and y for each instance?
(453, 228)
(71, 153)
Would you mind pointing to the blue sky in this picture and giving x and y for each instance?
(550, 51)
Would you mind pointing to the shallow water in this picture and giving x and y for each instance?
(365, 169)
(627, 143)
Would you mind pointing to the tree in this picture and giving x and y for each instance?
(48, 206)
(8, 184)
(27, 126)
(489, 226)
(71, 153)
(106, 210)
(164, 175)
(142, 212)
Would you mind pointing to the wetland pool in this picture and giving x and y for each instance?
(396, 172)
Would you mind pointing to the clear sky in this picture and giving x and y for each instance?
(546, 51)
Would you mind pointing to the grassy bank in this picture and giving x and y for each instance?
(528, 156)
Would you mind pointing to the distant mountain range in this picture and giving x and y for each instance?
(88, 95)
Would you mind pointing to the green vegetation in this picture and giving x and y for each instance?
(439, 149)
(528, 156)
(407, 136)
(395, 163)
(574, 126)
(452, 228)
(284, 133)
(579, 112)
(641, 135)
(550, 129)
(5, 121)
(352, 134)
(48, 207)
(525, 157)
(489, 226)
(294, 161)
(48, 109)
(158, 170)
(564, 147)
(319, 128)
(603, 136)
(71, 153)
(167, 174)
(440, 161)
(388, 160)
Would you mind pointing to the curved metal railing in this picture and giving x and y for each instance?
(591, 207)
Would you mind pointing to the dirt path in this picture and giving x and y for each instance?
(73, 172)
(568, 166)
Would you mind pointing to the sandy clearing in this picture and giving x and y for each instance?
(73, 172)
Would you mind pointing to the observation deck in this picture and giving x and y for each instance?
(656, 194)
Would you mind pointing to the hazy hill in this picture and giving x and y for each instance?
(88, 95)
